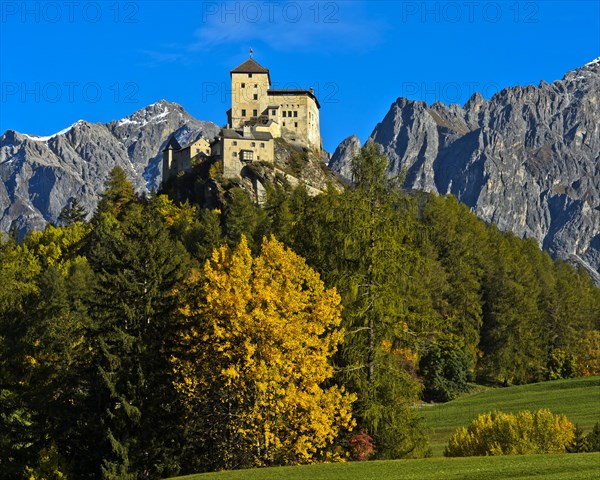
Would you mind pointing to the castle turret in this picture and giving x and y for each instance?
(172, 145)
(249, 101)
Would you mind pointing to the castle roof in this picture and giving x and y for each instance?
(250, 66)
(293, 91)
(235, 134)
(173, 144)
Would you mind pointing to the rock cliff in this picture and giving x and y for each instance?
(527, 160)
(40, 174)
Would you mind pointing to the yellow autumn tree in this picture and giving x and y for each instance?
(523, 433)
(254, 360)
(588, 354)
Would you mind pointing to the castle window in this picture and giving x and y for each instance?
(295, 114)
(296, 124)
(249, 75)
(289, 113)
(234, 154)
(273, 112)
(284, 114)
(255, 113)
(253, 144)
(243, 85)
(255, 96)
(262, 145)
(234, 143)
(243, 112)
(247, 155)
(284, 124)
(255, 85)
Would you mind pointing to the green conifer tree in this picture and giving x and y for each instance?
(72, 213)
(118, 193)
(362, 242)
(138, 267)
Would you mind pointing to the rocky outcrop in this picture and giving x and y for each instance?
(527, 160)
(40, 174)
(340, 161)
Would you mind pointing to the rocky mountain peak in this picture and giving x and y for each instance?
(155, 113)
(340, 161)
(527, 159)
(41, 173)
(589, 70)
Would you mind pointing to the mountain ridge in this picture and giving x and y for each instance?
(527, 159)
(41, 173)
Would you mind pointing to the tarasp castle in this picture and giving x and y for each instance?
(258, 115)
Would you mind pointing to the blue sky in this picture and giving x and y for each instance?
(61, 61)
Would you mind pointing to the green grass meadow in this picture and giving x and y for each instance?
(582, 466)
(578, 399)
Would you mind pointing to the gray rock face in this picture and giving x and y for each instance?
(527, 160)
(340, 161)
(40, 174)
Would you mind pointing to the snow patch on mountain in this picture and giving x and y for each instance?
(148, 115)
(41, 173)
(39, 138)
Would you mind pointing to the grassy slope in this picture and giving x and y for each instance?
(581, 466)
(578, 399)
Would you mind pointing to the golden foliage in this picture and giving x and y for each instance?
(255, 356)
(498, 433)
(50, 466)
(588, 354)
(57, 246)
(182, 216)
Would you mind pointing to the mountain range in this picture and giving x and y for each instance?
(527, 159)
(41, 174)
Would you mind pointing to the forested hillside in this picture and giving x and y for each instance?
(163, 338)
(526, 159)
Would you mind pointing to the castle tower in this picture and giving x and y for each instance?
(172, 145)
(250, 83)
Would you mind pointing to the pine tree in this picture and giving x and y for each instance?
(19, 270)
(511, 340)
(460, 242)
(580, 443)
(444, 367)
(243, 217)
(593, 439)
(206, 235)
(362, 242)
(72, 212)
(281, 218)
(59, 381)
(117, 195)
(138, 268)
